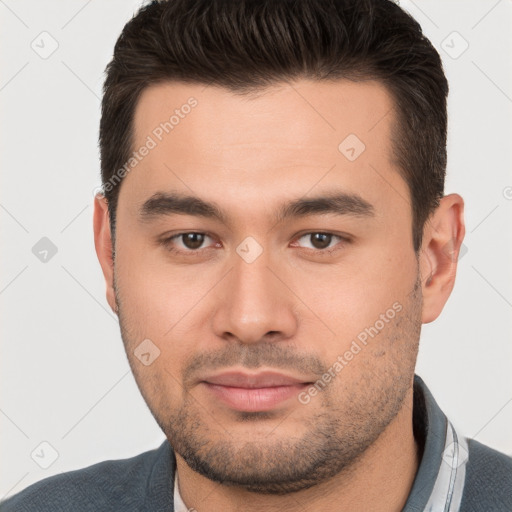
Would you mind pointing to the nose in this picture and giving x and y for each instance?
(256, 304)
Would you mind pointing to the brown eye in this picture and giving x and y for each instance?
(322, 244)
(186, 243)
(320, 240)
(192, 240)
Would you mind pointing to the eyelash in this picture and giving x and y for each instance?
(193, 252)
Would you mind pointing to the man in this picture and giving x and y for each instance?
(273, 232)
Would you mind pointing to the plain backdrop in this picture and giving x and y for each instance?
(65, 380)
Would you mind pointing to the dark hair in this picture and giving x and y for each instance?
(247, 45)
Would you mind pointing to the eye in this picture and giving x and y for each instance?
(185, 242)
(321, 242)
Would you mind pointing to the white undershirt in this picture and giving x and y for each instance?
(179, 506)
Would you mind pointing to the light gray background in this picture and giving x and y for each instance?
(64, 375)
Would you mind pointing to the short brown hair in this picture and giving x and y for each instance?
(247, 45)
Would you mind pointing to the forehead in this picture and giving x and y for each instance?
(282, 141)
(315, 113)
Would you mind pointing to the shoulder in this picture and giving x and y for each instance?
(104, 486)
(488, 484)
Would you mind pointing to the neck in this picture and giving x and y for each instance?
(380, 480)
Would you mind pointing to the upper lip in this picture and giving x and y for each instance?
(265, 379)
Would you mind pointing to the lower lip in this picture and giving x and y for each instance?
(254, 399)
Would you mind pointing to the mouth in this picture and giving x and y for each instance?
(254, 392)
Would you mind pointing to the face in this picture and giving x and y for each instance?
(272, 323)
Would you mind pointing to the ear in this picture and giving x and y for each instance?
(442, 238)
(103, 244)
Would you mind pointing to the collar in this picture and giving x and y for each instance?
(439, 481)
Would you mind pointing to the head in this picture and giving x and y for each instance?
(273, 178)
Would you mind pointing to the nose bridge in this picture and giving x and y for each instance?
(254, 301)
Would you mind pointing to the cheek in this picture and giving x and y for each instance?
(151, 290)
(343, 300)
(162, 302)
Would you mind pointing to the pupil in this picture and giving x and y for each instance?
(323, 238)
(193, 240)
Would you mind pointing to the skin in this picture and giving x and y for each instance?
(351, 447)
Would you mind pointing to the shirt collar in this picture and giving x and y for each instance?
(439, 481)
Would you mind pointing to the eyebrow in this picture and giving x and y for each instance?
(338, 203)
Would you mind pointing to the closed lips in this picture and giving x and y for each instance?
(252, 381)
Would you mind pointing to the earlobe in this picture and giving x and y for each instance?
(103, 245)
(442, 238)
